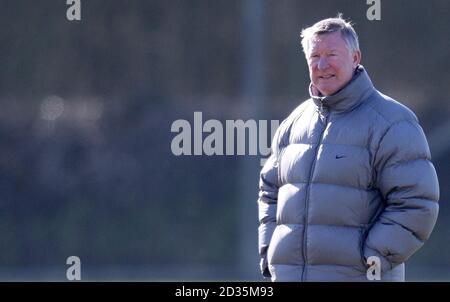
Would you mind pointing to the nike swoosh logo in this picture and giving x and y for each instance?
(340, 156)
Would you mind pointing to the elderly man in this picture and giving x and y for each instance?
(349, 176)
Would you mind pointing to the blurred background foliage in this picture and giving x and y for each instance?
(86, 167)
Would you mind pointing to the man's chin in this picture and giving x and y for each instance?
(327, 91)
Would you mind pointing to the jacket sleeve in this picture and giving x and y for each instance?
(267, 201)
(408, 183)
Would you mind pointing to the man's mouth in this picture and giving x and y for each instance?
(326, 77)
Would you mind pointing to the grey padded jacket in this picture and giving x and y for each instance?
(349, 177)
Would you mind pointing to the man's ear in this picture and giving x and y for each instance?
(356, 58)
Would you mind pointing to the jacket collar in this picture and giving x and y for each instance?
(348, 97)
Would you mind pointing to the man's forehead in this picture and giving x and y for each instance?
(327, 40)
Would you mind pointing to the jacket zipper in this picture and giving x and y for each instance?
(311, 172)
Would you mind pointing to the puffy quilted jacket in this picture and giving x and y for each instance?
(349, 177)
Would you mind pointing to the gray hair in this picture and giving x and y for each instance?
(331, 25)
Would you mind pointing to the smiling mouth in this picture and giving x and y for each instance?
(326, 77)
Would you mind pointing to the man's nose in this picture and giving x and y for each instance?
(322, 64)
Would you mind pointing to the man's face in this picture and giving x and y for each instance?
(331, 63)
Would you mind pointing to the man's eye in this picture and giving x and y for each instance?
(332, 54)
(314, 56)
